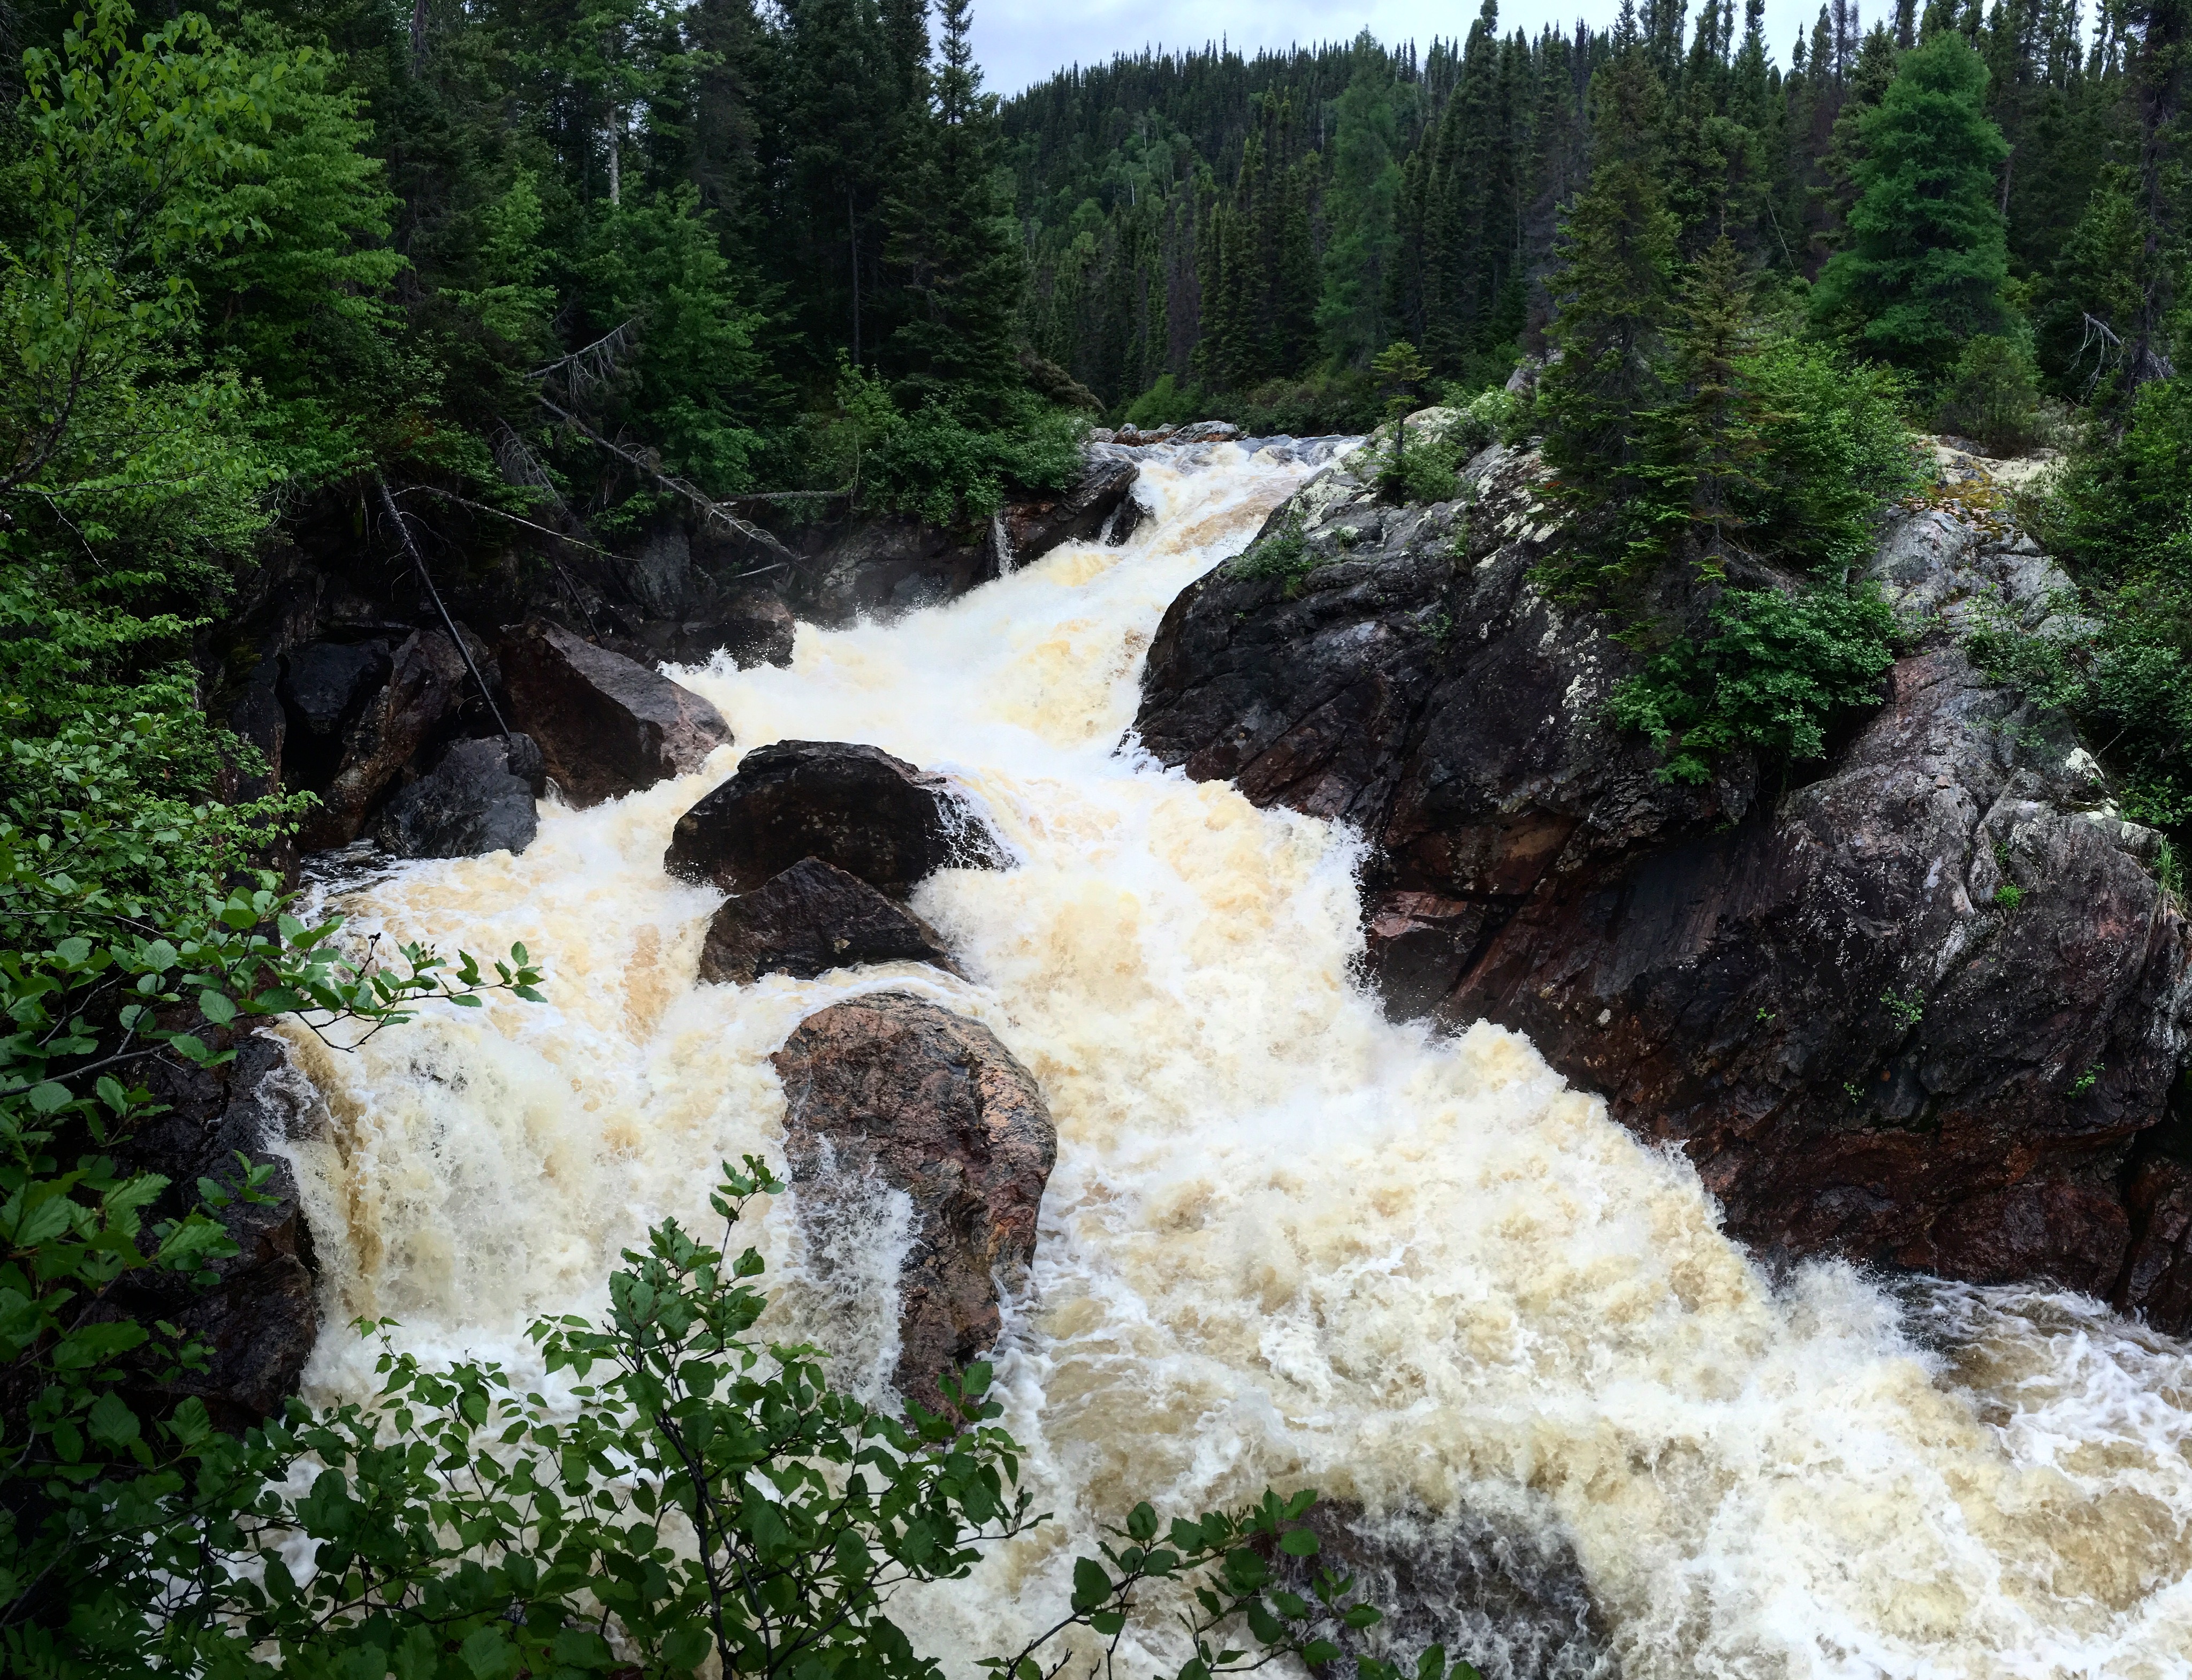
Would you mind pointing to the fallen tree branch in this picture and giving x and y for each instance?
(715, 512)
(418, 560)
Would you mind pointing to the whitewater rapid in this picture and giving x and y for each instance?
(1286, 1242)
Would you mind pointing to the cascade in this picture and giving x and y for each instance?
(1286, 1242)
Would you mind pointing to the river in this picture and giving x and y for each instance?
(1286, 1242)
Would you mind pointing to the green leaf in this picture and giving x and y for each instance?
(48, 1097)
(1091, 1585)
(112, 1422)
(489, 1654)
(686, 1647)
(1298, 1543)
(216, 1008)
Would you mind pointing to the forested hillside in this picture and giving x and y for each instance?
(1259, 229)
(403, 303)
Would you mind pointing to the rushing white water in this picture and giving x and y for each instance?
(1286, 1242)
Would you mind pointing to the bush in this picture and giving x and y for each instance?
(2120, 518)
(1283, 553)
(933, 464)
(1778, 668)
(1168, 403)
(1993, 394)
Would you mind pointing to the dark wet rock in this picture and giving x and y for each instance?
(258, 717)
(424, 688)
(478, 799)
(888, 1088)
(857, 808)
(1510, 1599)
(1036, 525)
(259, 1319)
(328, 681)
(1819, 989)
(753, 627)
(883, 567)
(606, 725)
(1125, 519)
(659, 574)
(811, 919)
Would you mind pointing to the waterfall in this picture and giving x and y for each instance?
(1286, 1242)
(1000, 545)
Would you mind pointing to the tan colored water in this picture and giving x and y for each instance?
(1286, 1242)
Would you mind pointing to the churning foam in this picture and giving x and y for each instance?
(1286, 1242)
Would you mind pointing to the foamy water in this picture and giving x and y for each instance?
(1286, 1242)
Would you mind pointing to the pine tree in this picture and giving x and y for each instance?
(1927, 257)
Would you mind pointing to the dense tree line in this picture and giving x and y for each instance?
(1387, 195)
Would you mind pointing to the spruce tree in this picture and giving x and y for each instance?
(1705, 442)
(1927, 257)
(953, 240)
(1616, 253)
(1360, 202)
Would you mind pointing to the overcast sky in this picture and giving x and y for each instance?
(1019, 42)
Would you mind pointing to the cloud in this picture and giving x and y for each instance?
(1021, 42)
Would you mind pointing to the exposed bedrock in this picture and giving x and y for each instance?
(1923, 1003)
(856, 807)
(888, 1088)
(607, 725)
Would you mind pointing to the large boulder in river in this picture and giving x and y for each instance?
(1034, 524)
(425, 687)
(1921, 1003)
(607, 725)
(752, 626)
(479, 798)
(854, 807)
(890, 1089)
(1508, 1597)
(812, 918)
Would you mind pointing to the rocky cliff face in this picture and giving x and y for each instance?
(1922, 1003)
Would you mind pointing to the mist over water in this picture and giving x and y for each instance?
(1285, 1241)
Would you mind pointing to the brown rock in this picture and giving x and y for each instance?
(424, 690)
(812, 918)
(857, 808)
(2158, 1276)
(889, 1088)
(1036, 525)
(607, 725)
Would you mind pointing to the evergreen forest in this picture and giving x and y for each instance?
(559, 271)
